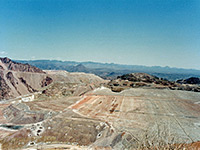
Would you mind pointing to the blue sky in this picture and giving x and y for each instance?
(137, 32)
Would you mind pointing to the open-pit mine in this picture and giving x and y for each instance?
(51, 110)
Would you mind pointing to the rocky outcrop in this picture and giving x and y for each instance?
(46, 81)
(192, 80)
(139, 77)
(135, 80)
(14, 66)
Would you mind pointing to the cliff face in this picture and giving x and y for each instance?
(18, 79)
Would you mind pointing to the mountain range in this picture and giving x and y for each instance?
(111, 70)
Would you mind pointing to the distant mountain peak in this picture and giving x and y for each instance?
(80, 68)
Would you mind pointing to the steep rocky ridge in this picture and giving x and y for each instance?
(14, 66)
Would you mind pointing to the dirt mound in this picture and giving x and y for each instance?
(71, 84)
(75, 77)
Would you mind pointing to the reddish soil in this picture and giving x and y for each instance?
(195, 145)
(81, 102)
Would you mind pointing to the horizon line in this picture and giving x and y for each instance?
(105, 63)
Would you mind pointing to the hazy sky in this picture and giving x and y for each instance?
(138, 32)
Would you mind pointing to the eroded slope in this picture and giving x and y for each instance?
(18, 79)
